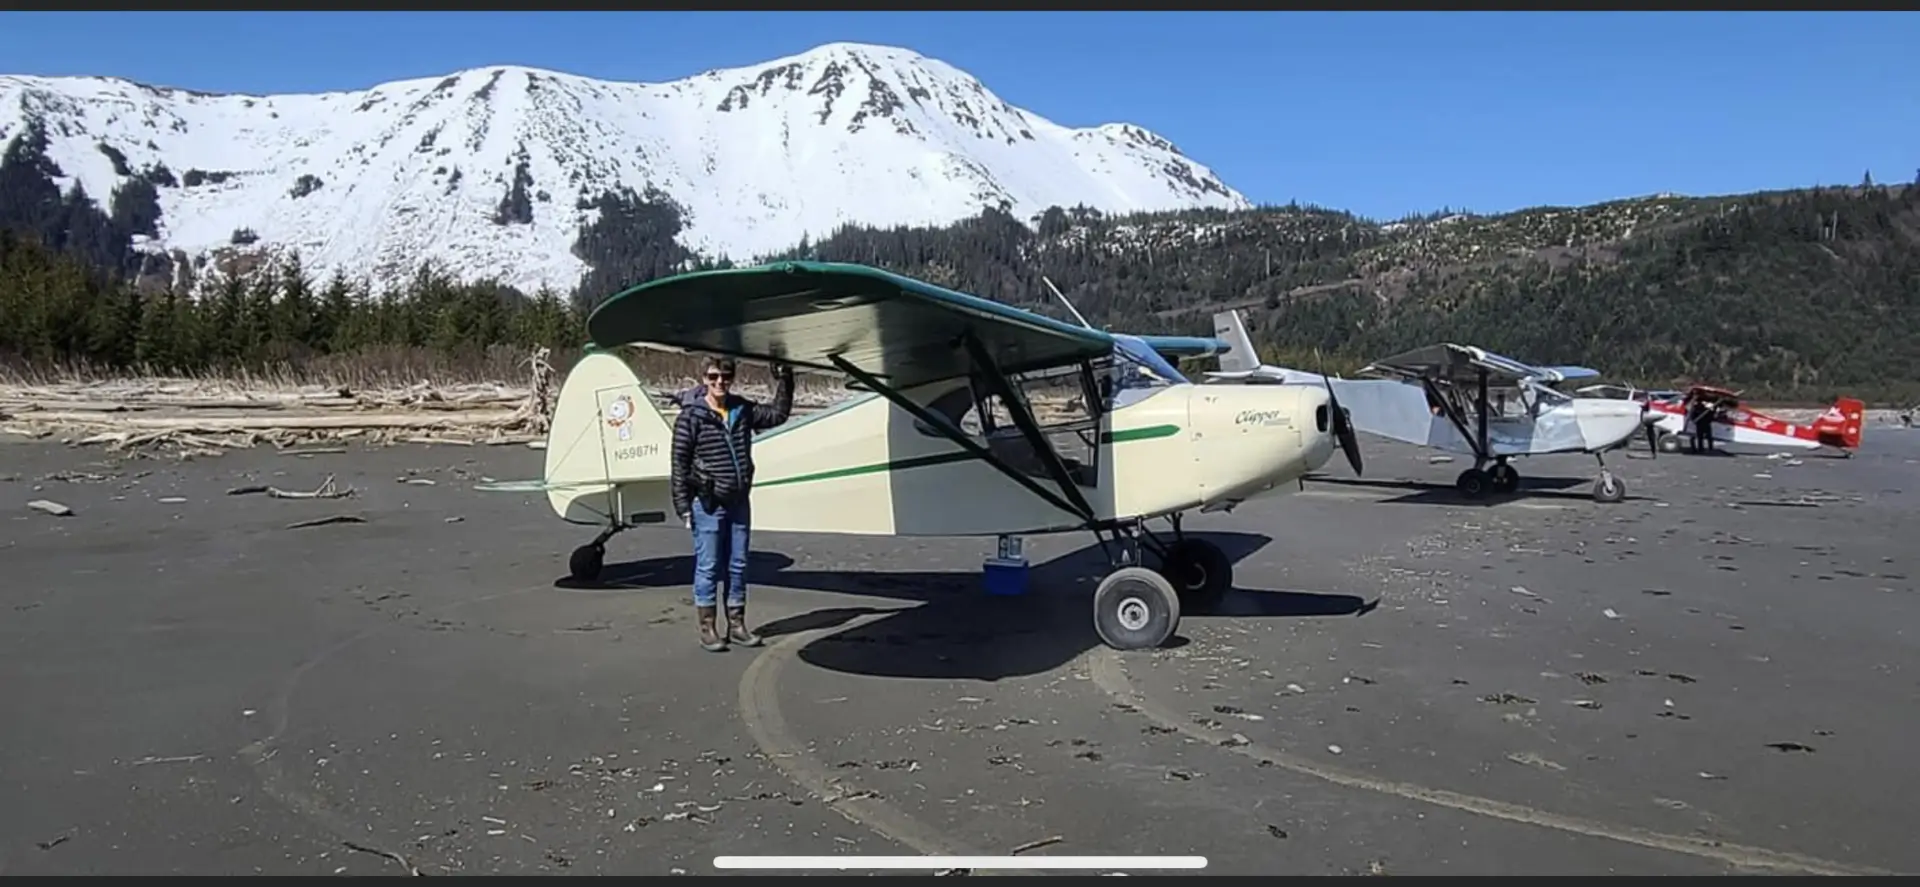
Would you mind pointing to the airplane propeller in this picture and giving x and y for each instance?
(1342, 426)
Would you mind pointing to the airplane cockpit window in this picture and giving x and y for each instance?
(1057, 399)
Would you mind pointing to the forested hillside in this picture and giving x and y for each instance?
(1789, 294)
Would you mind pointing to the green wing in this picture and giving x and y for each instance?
(905, 331)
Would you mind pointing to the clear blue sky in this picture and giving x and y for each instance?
(1380, 113)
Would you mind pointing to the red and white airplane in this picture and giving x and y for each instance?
(1839, 427)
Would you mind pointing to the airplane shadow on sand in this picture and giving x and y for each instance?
(958, 631)
(1560, 489)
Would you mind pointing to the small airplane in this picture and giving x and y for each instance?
(968, 427)
(1438, 396)
(1839, 427)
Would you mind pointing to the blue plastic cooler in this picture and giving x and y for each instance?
(1005, 574)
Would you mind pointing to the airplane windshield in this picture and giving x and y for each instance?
(1536, 396)
(1138, 366)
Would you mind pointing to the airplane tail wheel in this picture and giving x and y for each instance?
(1669, 443)
(585, 562)
(1201, 573)
(1135, 609)
(1609, 489)
(1473, 482)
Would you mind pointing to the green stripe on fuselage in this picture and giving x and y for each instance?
(1150, 432)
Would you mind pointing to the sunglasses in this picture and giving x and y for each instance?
(719, 377)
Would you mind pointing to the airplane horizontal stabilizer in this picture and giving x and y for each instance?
(538, 486)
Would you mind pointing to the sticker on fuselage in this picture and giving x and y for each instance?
(1263, 418)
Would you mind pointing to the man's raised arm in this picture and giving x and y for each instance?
(768, 415)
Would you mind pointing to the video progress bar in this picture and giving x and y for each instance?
(1027, 863)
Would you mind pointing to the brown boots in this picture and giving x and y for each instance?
(712, 641)
(737, 628)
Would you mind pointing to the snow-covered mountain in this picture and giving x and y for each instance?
(374, 181)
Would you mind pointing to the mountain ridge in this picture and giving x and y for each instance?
(495, 171)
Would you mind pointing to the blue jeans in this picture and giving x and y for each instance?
(720, 534)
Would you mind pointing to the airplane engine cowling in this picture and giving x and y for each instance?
(1253, 438)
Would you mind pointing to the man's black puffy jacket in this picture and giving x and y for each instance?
(713, 458)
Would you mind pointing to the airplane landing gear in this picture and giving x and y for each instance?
(1505, 477)
(1135, 609)
(1477, 481)
(586, 561)
(1201, 573)
(1607, 488)
(1668, 442)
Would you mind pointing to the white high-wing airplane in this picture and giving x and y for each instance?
(924, 450)
(1438, 397)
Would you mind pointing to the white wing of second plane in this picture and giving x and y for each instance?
(1388, 408)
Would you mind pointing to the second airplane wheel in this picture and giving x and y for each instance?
(1201, 573)
(1504, 478)
(1473, 482)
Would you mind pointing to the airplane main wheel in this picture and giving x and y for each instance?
(1608, 488)
(1200, 571)
(1473, 482)
(1135, 609)
(1669, 443)
(585, 562)
(1504, 478)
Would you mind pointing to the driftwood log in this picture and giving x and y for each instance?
(215, 424)
(195, 417)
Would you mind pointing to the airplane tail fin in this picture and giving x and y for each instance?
(609, 449)
(1230, 327)
(1842, 424)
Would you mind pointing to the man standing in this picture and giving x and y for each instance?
(1703, 431)
(712, 477)
(1695, 408)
